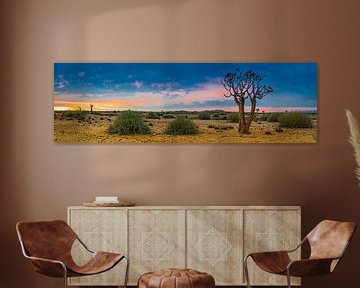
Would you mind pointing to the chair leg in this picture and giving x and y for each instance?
(246, 271)
(288, 278)
(65, 276)
(127, 271)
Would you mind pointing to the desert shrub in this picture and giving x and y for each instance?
(181, 126)
(129, 122)
(193, 117)
(233, 118)
(223, 117)
(263, 117)
(153, 115)
(168, 116)
(273, 117)
(215, 116)
(295, 120)
(204, 116)
(313, 116)
(78, 115)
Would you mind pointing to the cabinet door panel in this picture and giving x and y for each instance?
(214, 244)
(270, 230)
(100, 230)
(156, 240)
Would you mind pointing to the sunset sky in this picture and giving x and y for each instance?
(177, 86)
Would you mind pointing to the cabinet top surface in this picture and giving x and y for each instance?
(193, 207)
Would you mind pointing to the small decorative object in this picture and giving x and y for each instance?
(354, 139)
(185, 102)
(108, 201)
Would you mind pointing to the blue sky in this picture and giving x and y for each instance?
(177, 86)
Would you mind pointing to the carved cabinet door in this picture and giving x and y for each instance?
(101, 230)
(156, 240)
(270, 230)
(214, 244)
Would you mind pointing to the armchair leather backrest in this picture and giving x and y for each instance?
(46, 239)
(329, 239)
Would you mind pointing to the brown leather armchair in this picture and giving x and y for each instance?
(48, 245)
(328, 242)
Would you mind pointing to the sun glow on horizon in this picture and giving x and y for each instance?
(97, 105)
(61, 108)
(124, 105)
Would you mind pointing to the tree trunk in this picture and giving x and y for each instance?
(251, 117)
(241, 117)
(239, 128)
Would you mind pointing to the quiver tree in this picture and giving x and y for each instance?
(91, 107)
(245, 85)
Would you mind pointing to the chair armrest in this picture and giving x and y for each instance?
(268, 253)
(298, 246)
(49, 267)
(280, 251)
(309, 267)
(83, 244)
(45, 260)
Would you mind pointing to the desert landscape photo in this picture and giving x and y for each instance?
(185, 103)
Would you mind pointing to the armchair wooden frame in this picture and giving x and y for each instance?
(320, 261)
(59, 267)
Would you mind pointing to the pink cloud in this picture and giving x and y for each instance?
(205, 92)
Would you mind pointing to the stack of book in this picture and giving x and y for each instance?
(106, 199)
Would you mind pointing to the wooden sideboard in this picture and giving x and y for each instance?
(213, 239)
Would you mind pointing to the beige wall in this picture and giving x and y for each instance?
(39, 179)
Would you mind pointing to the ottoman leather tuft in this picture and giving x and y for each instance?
(176, 278)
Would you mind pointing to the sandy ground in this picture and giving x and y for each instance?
(73, 131)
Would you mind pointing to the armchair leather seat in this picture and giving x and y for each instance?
(272, 262)
(48, 245)
(328, 242)
(98, 263)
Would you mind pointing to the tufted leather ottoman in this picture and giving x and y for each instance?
(176, 278)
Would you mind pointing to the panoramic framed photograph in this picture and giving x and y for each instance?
(185, 103)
